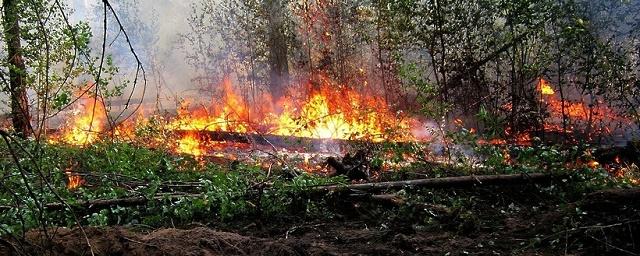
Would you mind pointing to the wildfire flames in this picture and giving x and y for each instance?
(545, 88)
(88, 120)
(230, 116)
(323, 112)
(341, 115)
(595, 117)
(190, 144)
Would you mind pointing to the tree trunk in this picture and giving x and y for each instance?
(278, 62)
(17, 71)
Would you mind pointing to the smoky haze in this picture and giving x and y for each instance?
(154, 27)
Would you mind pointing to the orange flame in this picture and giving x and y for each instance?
(326, 111)
(88, 120)
(545, 88)
(576, 111)
(190, 144)
(231, 116)
(343, 114)
(73, 181)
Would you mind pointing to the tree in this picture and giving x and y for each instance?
(17, 70)
(50, 57)
(480, 56)
(46, 55)
(278, 57)
(227, 37)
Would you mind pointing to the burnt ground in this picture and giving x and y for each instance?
(481, 221)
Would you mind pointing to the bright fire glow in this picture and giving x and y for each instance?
(343, 114)
(575, 111)
(545, 88)
(73, 181)
(231, 116)
(190, 144)
(323, 113)
(87, 121)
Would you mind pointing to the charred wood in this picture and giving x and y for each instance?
(355, 167)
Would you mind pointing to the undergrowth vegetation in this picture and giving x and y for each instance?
(69, 185)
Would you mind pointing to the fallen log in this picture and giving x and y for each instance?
(448, 182)
(99, 204)
(219, 135)
(278, 141)
(612, 200)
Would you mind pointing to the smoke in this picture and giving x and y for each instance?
(154, 27)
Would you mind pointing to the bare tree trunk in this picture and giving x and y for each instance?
(515, 104)
(560, 84)
(383, 75)
(278, 61)
(340, 45)
(443, 50)
(17, 70)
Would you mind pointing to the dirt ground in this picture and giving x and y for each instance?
(611, 228)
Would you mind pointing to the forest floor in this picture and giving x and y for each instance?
(520, 220)
(559, 203)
